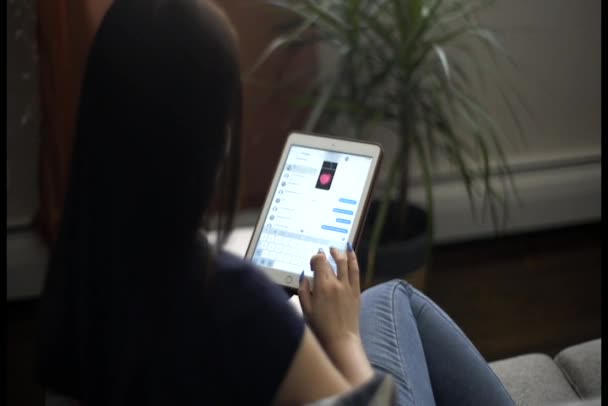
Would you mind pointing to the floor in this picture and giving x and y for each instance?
(525, 293)
(535, 292)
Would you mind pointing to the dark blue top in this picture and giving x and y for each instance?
(227, 341)
(252, 335)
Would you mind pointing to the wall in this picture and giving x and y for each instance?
(557, 45)
(22, 114)
(557, 165)
(26, 255)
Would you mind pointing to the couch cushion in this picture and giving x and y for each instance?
(534, 379)
(582, 402)
(582, 366)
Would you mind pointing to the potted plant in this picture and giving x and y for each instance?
(409, 65)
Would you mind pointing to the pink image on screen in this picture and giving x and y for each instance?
(326, 175)
(325, 178)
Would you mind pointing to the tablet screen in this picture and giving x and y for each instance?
(313, 206)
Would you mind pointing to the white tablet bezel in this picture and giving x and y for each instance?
(340, 145)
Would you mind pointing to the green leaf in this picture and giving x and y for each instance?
(480, 76)
(331, 20)
(514, 117)
(401, 19)
(493, 44)
(428, 123)
(460, 73)
(373, 22)
(455, 150)
(443, 60)
(428, 187)
(415, 10)
(378, 226)
(418, 32)
(278, 43)
(319, 106)
(459, 12)
(489, 199)
(514, 91)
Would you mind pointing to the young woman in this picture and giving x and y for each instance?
(139, 309)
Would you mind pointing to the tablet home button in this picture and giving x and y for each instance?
(288, 279)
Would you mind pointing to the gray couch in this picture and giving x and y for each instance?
(573, 377)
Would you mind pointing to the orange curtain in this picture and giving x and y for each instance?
(65, 32)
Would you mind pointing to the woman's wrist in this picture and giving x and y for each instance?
(348, 355)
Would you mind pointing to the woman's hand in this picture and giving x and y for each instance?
(332, 311)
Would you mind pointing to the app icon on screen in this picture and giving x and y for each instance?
(326, 176)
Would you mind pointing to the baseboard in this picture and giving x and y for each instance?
(553, 194)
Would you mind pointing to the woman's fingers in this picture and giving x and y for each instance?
(353, 268)
(305, 295)
(321, 269)
(341, 264)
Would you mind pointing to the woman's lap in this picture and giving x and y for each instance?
(393, 345)
(432, 361)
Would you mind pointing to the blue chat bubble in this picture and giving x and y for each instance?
(343, 221)
(342, 211)
(336, 229)
(349, 201)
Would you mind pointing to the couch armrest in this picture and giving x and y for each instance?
(582, 366)
(534, 379)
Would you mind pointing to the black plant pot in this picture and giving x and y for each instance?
(402, 250)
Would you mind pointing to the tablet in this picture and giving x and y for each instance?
(318, 198)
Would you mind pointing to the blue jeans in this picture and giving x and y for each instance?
(408, 336)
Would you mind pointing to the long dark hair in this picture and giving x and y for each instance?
(157, 137)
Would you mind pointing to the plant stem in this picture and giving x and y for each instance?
(402, 199)
(428, 188)
(405, 127)
(379, 224)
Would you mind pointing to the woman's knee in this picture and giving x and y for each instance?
(387, 291)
